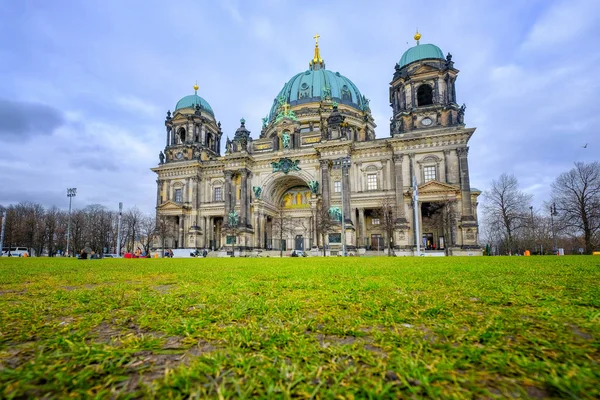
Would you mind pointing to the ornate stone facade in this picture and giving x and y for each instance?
(290, 172)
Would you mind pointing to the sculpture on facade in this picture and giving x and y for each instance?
(285, 165)
(314, 186)
(161, 157)
(335, 213)
(257, 191)
(285, 137)
(461, 114)
(233, 218)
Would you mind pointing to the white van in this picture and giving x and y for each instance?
(15, 252)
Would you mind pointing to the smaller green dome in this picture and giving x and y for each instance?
(191, 101)
(420, 52)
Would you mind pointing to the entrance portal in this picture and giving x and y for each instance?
(299, 243)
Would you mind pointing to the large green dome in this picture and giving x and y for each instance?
(420, 52)
(314, 84)
(191, 101)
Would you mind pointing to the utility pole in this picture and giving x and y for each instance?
(416, 213)
(3, 230)
(119, 229)
(71, 192)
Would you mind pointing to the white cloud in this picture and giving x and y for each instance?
(562, 23)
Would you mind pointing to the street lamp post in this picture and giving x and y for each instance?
(416, 214)
(119, 230)
(71, 192)
(2, 233)
(553, 213)
(343, 163)
(532, 226)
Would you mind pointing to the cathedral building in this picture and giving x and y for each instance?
(317, 155)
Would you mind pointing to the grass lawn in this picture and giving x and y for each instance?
(481, 327)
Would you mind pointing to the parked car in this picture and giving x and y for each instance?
(15, 252)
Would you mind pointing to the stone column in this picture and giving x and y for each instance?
(346, 188)
(411, 158)
(227, 198)
(263, 230)
(249, 197)
(447, 166)
(181, 231)
(413, 98)
(465, 186)
(168, 135)
(244, 221)
(158, 192)
(399, 185)
(325, 183)
(209, 230)
(362, 226)
(187, 198)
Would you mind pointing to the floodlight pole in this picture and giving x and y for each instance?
(3, 230)
(553, 213)
(119, 229)
(71, 192)
(416, 214)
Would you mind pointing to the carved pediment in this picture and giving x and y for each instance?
(424, 69)
(170, 206)
(179, 118)
(436, 187)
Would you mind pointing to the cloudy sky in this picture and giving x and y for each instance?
(86, 85)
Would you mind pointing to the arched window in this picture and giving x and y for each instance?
(181, 135)
(424, 95)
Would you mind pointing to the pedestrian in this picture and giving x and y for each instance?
(170, 253)
(204, 253)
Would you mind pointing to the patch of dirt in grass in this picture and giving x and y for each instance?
(16, 355)
(147, 366)
(173, 343)
(327, 340)
(536, 393)
(579, 333)
(110, 333)
(106, 333)
(69, 288)
(163, 288)
(9, 291)
(375, 350)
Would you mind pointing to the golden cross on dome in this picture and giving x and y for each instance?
(316, 37)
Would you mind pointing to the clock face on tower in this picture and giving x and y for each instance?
(179, 155)
(426, 121)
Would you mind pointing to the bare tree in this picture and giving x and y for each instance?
(147, 229)
(283, 226)
(506, 208)
(324, 224)
(131, 220)
(387, 214)
(576, 195)
(162, 231)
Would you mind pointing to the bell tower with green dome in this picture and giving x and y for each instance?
(422, 92)
(192, 131)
